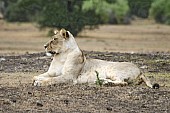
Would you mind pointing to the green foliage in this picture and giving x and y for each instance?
(160, 11)
(74, 15)
(98, 81)
(7, 2)
(105, 8)
(64, 14)
(99, 7)
(52, 13)
(121, 9)
(23, 10)
(140, 8)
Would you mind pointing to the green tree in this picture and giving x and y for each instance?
(52, 13)
(66, 14)
(140, 8)
(23, 10)
(160, 11)
(106, 8)
(73, 15)
(121, 10)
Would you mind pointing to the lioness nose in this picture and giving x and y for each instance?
(45, 46)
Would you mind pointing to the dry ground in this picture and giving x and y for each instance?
(18, 95)
(21, 38)
(17, 67)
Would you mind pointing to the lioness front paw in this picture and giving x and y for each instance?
(41, 81)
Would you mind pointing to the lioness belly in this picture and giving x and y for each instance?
(107, 70)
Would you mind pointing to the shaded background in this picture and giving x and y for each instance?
(98, 25)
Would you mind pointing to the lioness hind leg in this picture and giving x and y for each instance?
(114, 83)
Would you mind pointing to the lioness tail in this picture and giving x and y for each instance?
(148, 82)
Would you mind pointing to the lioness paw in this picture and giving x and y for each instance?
(42, 82)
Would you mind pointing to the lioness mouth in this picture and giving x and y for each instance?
(52, 52)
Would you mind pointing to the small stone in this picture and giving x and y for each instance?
(14, 101)
(66, 102)
(109, 109)
(39, 104)
(29, 92)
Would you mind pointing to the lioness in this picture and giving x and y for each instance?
(69, 65)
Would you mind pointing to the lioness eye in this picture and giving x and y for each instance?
(54, 38)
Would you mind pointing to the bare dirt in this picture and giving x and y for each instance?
(18, 94)
(21, 58)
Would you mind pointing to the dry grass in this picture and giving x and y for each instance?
(137, 38)
(21, 38)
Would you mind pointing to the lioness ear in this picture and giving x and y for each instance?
(56, 31)
(64, 33)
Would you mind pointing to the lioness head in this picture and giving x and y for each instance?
(57, 44)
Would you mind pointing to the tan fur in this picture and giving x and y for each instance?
(69, 65)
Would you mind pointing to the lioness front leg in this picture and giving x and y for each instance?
(41, 76)
(41, 79)
(45, 81)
